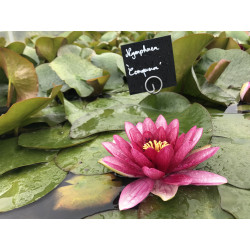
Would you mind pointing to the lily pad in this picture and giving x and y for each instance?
(108, 61)
(86, 192)
(13, 156)
(115, 214)
(21, 73)
(69, 48)
(47, 47)
(47, 78)
(226, 88)
(25, 185)
(113, 118)
(174, 34)
(75, 71)
(83, 159)
(20, 111)
(236, 201)
(190, 202)
(51, 138)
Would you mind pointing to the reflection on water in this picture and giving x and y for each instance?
(43, 208)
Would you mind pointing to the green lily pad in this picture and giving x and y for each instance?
(231, 161)
(71, 36)
(47, 78)
(25, 185)
(183, 57)
(108, 61)
(51, 115)
(51, 138)
(236, 201)
(190, 202)
(21, 73)
(31, 55)
(75, 71)
(240, 36)
(126, 98)
(13, 156)
(20, 111)
(18, 47)
(85, 192)
(47, 47)
(223, 43)
(113, 118)
(226, 88)
(2, 41)
(69, 48)
(115, 214)
(83, 159)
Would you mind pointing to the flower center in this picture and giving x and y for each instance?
(156, 145)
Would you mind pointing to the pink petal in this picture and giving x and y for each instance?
(151, 154)
(123, 145)
(141, 159)
(164, 157)
(197, 136)
(164, 191)
(147, 136)
(179, 142)
(177, 179)
(148, 125)
(122, 167)
(244, 89)
(113, 149)
(139, 127)
(196, 158)
(190, 134)
(180, 155)
(161, 134)
(204, 178)
(172, 131)
(135, 192)
(133, 133)
(161, 122)
(153, 173)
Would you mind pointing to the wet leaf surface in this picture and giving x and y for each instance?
(85, 192)
(236, 201)
(51, 138)
(84, 159)
(190, 202)
(28, 184)
(13, 156)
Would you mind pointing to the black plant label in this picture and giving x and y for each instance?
(149, 65)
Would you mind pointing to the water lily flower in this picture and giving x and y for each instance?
(160, 159)
(245, 92)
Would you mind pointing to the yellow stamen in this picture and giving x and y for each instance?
(156, 145)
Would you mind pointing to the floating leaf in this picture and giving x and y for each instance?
(240, 36)
(21, 73)
(30, 54)
(170, 105)
(72, 36)
(190, 202)
(28, 184)
(20, 111)
(232, 135)
(236, 201)
(83, 159)
(47, 47)
(51, 138)
(22, 156)
(85, 192)
(2, 41)
(48, 78)
(75, 71)
(223, 43)
(115, 214)
(174, 34)
(108, 61)
(226, 88)
(68, 49)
